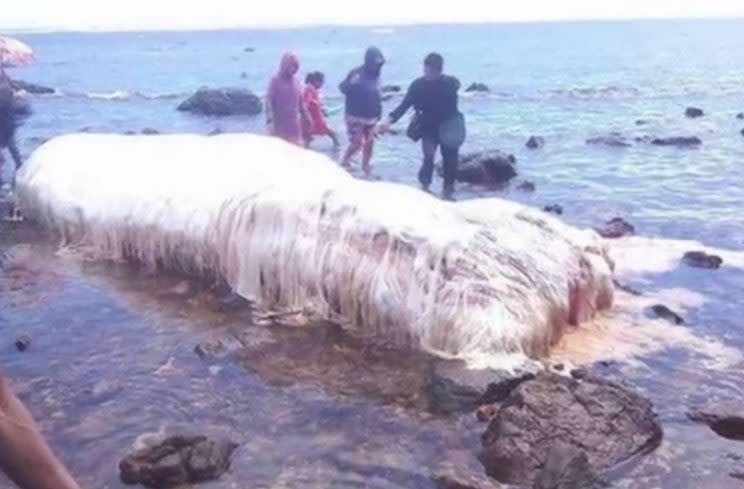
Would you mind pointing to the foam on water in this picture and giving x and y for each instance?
(289, 229)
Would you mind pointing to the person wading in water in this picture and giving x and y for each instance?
(437, 122)
(285, 110)
(12, 110)
(363, 107)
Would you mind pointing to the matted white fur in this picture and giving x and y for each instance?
(286, 227)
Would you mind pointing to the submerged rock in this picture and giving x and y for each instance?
(663, 312)
(23, 343)
(149, 131)
(554, 209)
(32, 88)
(641, 122)
(222, 102)
(477, 87)
(487, 168)
(452, 480)
(527, 186)
(216, 131)
(606, 421)
(701, 259)
(694, 112)
(726, 419)
(740, 116)
(742, 132)
(616, 228)
(209, 349)
(679, 141)
(176, 461)
(535, 142)
(453, 387)
(613, 140)
(566, 467)
(391, 89)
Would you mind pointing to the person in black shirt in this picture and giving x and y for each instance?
(438, 122)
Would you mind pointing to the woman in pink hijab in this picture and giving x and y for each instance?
(285, 110)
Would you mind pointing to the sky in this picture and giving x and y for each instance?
(104, 15)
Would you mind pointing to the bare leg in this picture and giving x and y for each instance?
(24, 455)
(369, 150)
(354, 148)
(334, 138)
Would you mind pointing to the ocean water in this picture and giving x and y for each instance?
(315, 408)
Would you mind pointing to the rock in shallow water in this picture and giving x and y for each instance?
(725, 418)
(32, 88)
(23, 343)
(663, 312)
(176, 461)
(535, 142)
(487, 168)
(453, 387)
(678, 141)
(477, 87)
(740, 116)
(616, 227)
(701, 259)
(222, 102)
(527, 186)
(607, 422)
(567, 467)
(613, 140)
(694, 112)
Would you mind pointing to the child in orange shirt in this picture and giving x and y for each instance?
(318, 124)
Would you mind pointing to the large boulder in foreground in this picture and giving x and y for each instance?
(487, 168)
(222, 102)
(32, 87)
(178, 460)
(605, 421)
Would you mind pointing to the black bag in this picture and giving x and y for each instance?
(415, 130)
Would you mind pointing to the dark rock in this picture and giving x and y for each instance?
(554, 209)
(130, 133)
(742, 132)
(579, 373)
(701, 259)
(32, 88)
(222, 102)
(559, 367)
(452, 387)
(249, 50)
(244, 76)
(487, 168)
(678, 141)
(740, 116)
(477, 87)
(387, 96)
(176, 461)
(453, 480)
(663, 312)
(566, 467)
(606, 421)
(641, 122)
(726, 419)
(149, 131)
(616, 228)
(737, 475)
(626, 288)
(23, 343)
(527, 186)
(209, 349)
(613, 139)
(535, 142)
(216, 131)
(694, 112)
(391, 89)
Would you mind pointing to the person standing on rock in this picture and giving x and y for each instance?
(285, 110)
(438, 122)
(363, 108)
(24, 455)
(11, 112)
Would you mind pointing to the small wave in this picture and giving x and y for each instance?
(123, 95)
(115, 95)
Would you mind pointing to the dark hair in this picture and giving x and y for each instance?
(315, 76)
(434, 60)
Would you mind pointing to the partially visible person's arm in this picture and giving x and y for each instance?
(24, 455)
(405, 104)
(351, 78)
